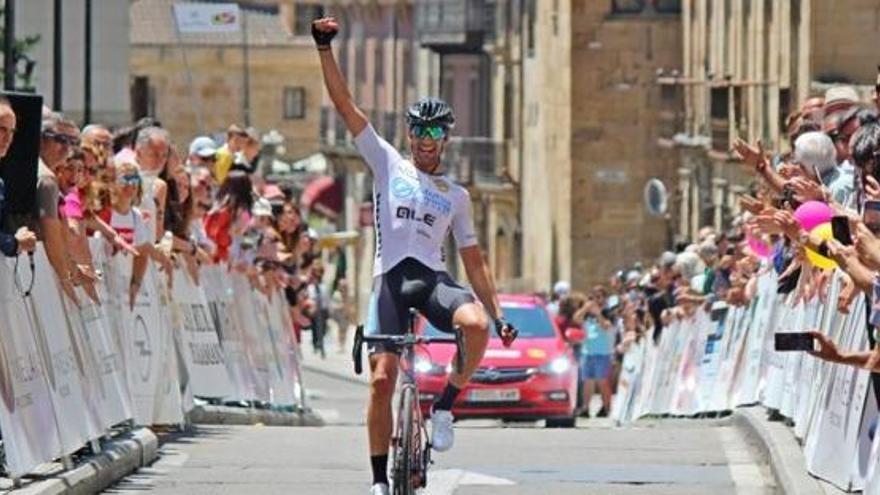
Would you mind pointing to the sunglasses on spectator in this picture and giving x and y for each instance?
(434, 132)
(129, 180)
(61, 138)
(91, 170)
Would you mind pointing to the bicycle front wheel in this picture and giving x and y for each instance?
(403, 449)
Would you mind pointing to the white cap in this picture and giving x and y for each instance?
(561, 288)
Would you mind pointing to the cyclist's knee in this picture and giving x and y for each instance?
(381, 386)
(471, 318)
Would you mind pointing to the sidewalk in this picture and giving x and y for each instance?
(337, 363)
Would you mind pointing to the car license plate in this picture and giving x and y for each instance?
(494, 395)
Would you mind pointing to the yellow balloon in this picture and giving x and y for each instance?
(824, 232)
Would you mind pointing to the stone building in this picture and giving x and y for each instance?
(200, 83)
(592, 114)
(746, 65)
(109, 54)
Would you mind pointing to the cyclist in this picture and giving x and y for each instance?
(415, 206)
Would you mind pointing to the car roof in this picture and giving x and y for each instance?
(521, 299)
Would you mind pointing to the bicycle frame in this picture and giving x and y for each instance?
(417, 455)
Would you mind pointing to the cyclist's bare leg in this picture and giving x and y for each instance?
(380, 424)
(472, 321)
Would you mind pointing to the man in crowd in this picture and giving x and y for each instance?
(23, 240)
(58, 137)
(202, 153)
(151, 149)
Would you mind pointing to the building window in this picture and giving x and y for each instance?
(294, 103)
(530, 34)
(667, 6)
(627, 6)
(304, 15)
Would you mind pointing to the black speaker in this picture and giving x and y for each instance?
(19, 167)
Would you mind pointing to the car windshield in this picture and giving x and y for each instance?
(532, 323)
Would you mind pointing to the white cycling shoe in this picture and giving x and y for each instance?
(442, 435)
(380, 489)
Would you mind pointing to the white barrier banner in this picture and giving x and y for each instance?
(206, 362)
(147, 335)
(70, 363)
(27, 418)
(748, 386)
(219, 295)
(253, 335)
(170, 394)
(832, 447)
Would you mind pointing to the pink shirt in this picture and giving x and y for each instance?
(72, 206)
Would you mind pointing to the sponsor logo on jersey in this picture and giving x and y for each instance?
(403, 189)
(441, 185)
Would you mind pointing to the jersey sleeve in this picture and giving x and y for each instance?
(378, 153)
(463, 222)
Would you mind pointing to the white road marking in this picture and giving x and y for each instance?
(445, 481)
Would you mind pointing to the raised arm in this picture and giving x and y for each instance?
(323, 30)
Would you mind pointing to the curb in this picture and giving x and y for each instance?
(777, 444)
(117, 460)
(225, 415)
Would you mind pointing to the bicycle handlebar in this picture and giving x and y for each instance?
(407, 340)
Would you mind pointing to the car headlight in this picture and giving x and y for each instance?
(558, 366)
(423, 366)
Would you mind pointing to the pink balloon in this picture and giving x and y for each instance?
(812, 214)
(759, 247)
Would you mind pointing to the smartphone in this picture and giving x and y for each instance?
(871, 216)
(840, 230)
(794, 341)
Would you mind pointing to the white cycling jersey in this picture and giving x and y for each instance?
(413, 210)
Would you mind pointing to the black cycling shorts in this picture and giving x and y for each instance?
(411, 284)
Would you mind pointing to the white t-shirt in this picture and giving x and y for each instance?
(413, 210)
(132, 227)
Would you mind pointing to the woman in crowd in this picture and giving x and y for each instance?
(228, 220)
(128, 221)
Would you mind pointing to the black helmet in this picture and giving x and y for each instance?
(430, 111)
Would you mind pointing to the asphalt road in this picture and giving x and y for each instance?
(664, 457)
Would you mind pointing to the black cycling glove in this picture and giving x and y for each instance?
(323, 38)
(505, 331)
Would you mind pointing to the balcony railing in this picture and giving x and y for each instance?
(475, 160)
(458, 26)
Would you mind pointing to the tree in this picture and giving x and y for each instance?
(24, 64)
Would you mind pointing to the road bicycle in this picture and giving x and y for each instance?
(411, 446)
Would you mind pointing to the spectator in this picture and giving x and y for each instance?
(561, 289)
(229, 219)
(99, 140)
(202, 154)
(342, 311)
(201, 199)
(128, 221)
(23, 240)
(225, 157)
(58, 137)
(152, 148)
(596, 358)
